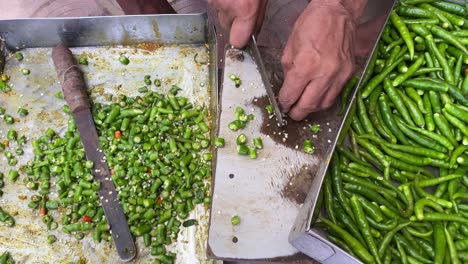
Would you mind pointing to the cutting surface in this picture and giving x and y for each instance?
(266, 192)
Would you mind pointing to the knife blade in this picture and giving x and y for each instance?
(266, 80)
(74, 91)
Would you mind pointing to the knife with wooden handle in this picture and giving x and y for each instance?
(74, 91)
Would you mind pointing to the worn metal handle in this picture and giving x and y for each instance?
(71, 78)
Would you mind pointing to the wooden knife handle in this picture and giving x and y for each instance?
(71, 78)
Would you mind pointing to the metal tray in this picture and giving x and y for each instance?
(262, 192)
(160, 45)
(312, 241)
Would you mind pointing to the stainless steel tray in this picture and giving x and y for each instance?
(312, 241)
(160, 45)
(265, 193)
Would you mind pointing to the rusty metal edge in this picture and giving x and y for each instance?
(215, 73)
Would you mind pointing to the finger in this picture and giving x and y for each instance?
(241, 31)
(292, 89)
(310, 100)
(299, 70)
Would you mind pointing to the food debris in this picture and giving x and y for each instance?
(235, 220)
(315, 128)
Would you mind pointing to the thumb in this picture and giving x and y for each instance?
(241, 31)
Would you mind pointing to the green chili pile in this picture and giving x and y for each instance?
(242, 119)
(397, 192)
(242, 140)
(156, 147)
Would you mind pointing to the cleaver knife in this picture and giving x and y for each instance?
(74, 91)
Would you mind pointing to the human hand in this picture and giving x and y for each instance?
(242, 17)
(318, 58)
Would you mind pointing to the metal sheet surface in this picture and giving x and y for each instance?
(266, 193)
(104, 75)
(98, 31)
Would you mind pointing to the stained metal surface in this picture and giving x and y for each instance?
(99, 31)
(311, 241)
(267, 192)
(246, 187)
(105, 75)
(266, 80)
